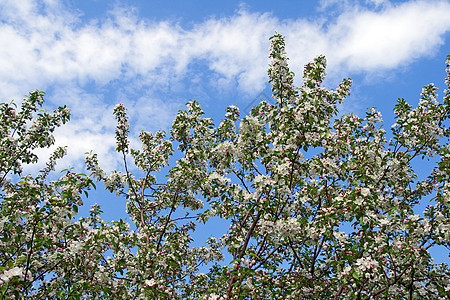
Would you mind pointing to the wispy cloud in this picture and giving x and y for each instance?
(365, 40)
(91, 65)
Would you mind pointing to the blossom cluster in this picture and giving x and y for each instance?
(318, 207)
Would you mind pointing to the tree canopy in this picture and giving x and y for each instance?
(319, 206)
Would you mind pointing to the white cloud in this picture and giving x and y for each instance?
(91, 129)
(368, 40)
(44, 45)
(236, 47)
(40, 47)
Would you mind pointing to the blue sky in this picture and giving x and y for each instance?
(154, 56)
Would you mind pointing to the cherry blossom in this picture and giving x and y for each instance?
(318, 206)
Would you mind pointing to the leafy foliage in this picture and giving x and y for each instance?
(288, 177)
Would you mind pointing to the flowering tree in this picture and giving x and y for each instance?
(318, 209)
(38, 238)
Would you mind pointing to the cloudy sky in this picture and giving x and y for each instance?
(154, 56)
